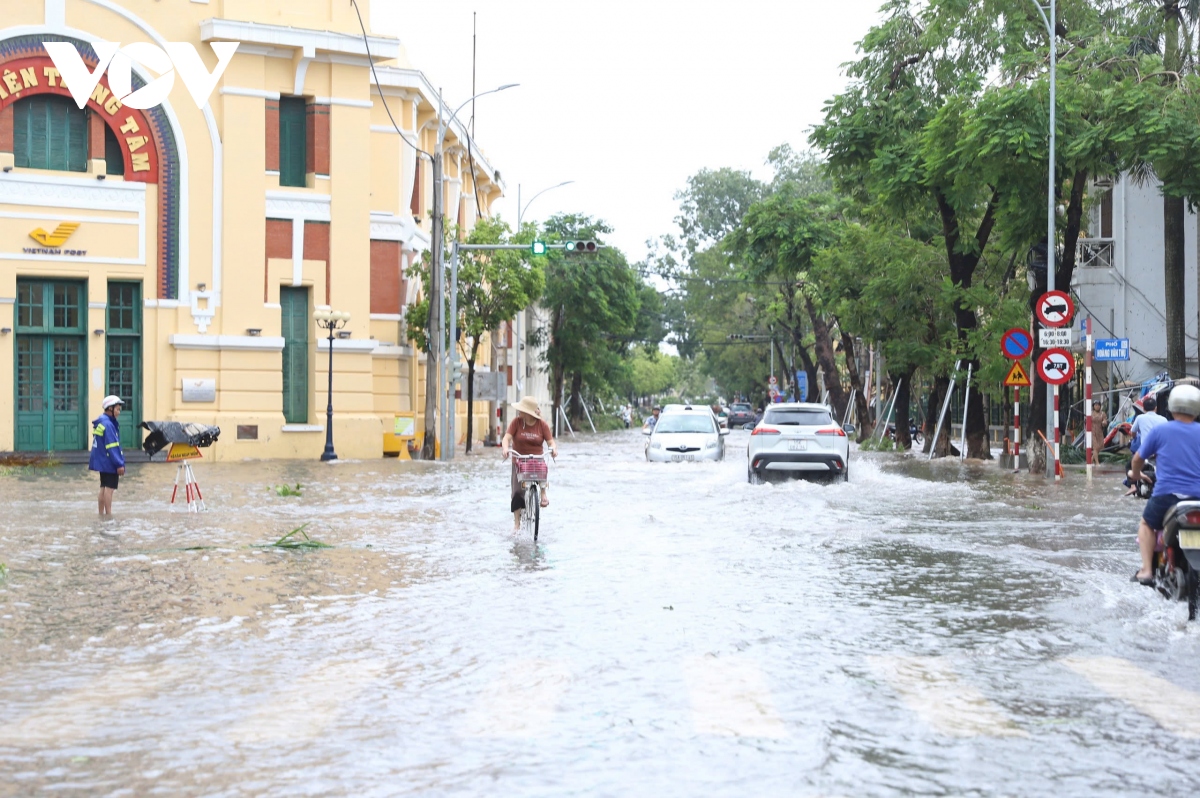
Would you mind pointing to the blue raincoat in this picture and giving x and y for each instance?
(106, 456)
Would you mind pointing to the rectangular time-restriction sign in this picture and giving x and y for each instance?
(1056, 337)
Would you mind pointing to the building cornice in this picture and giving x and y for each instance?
(383, 48)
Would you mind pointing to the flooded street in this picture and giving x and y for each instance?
(675, 631)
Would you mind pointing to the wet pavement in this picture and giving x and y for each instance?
(925, 629)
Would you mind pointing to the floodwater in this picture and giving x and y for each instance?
(925, 629)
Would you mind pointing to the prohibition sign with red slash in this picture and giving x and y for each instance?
(1056, 366)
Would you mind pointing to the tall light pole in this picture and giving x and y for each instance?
(330, 320)
(517, 367)
(521, 209)
(1051, 264)
(434, 376)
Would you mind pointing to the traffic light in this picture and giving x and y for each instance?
(580, 246)
(538, 248)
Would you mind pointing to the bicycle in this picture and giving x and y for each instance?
(532, 474)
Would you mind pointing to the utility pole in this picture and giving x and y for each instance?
(1051, 249)
(433, 361)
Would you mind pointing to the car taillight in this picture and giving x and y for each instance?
(1192, 518)
(832, 431)
(765, 431)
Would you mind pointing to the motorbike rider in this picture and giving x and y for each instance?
(1177, 475)
(1147, 420)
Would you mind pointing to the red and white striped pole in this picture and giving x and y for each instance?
(1087, 394)
(1057, 439)
(1016, 429)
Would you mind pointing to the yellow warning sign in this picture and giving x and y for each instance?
(1017, 376)
(182, 451)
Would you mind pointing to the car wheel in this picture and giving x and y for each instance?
(846, 472)
(752, 477)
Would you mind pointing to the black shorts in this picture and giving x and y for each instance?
(109, 480)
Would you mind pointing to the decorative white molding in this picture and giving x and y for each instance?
(162, 303)
(56, 13)
(389, 227)
(296, 205)
(272, 306)
(302, 428)
(347, 101)
(387, 317)
(385, 129)
(306, 54)
(8, 300)
(202, 316)
(24, 188)
(273, 173)
(357, 345)
(238, 91)
(320, 176)
(383, 48)
(393, 351)
(97, 305)
(217, 343)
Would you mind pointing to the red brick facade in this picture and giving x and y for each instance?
(6, 129)
(273, 137)
(279, 245)
(95, 135)
(387, 281)
(316, 247)
(317, 157)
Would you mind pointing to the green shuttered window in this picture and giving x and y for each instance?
(49, 132)
(293, 141)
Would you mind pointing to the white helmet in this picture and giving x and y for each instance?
(111, 401)
(1185, 399)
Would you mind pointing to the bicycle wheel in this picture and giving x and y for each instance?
(534, 510)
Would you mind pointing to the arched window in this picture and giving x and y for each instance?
(49, 132)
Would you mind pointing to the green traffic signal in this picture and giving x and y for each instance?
(538, 248)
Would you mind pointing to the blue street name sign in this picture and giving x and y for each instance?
(1112, 349)
(801, 386)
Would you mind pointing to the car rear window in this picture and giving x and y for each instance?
(740, 408)
(685, 422)
(803, 418)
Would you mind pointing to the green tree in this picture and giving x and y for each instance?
(593, 303)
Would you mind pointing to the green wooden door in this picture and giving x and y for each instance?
(123, 356)
(295, 322)
(50, 365)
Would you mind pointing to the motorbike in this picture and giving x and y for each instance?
(1177, 556)
(914, 433)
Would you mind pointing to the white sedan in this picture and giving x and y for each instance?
(798, 439)
(685, 434)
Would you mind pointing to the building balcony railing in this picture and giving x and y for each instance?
(1094, 253)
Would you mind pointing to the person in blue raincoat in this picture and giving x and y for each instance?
(107, 457)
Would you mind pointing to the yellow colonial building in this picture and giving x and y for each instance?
(175, 255)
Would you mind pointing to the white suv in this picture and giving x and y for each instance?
(798, 439)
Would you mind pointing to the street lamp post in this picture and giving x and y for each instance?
(436, 380)
(1051, 28)
(332, 321)
(517, 367)
(521, 209)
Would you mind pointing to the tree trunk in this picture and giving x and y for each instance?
(862, 409)
(825, 357)
(1173, 274)
(903, 383)
(810, 368)
(978, 446)
(576, 398)
(470, 397)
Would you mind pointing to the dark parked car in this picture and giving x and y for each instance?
(740, 415)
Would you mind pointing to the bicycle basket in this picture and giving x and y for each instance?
(532, 470)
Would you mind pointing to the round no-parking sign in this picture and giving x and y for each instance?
(1056, 366)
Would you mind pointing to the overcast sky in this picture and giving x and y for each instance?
(630, 98)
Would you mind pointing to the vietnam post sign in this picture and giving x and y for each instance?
(1111, 349)
(178, 57)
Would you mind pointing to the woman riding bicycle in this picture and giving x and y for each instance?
(526, 435)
